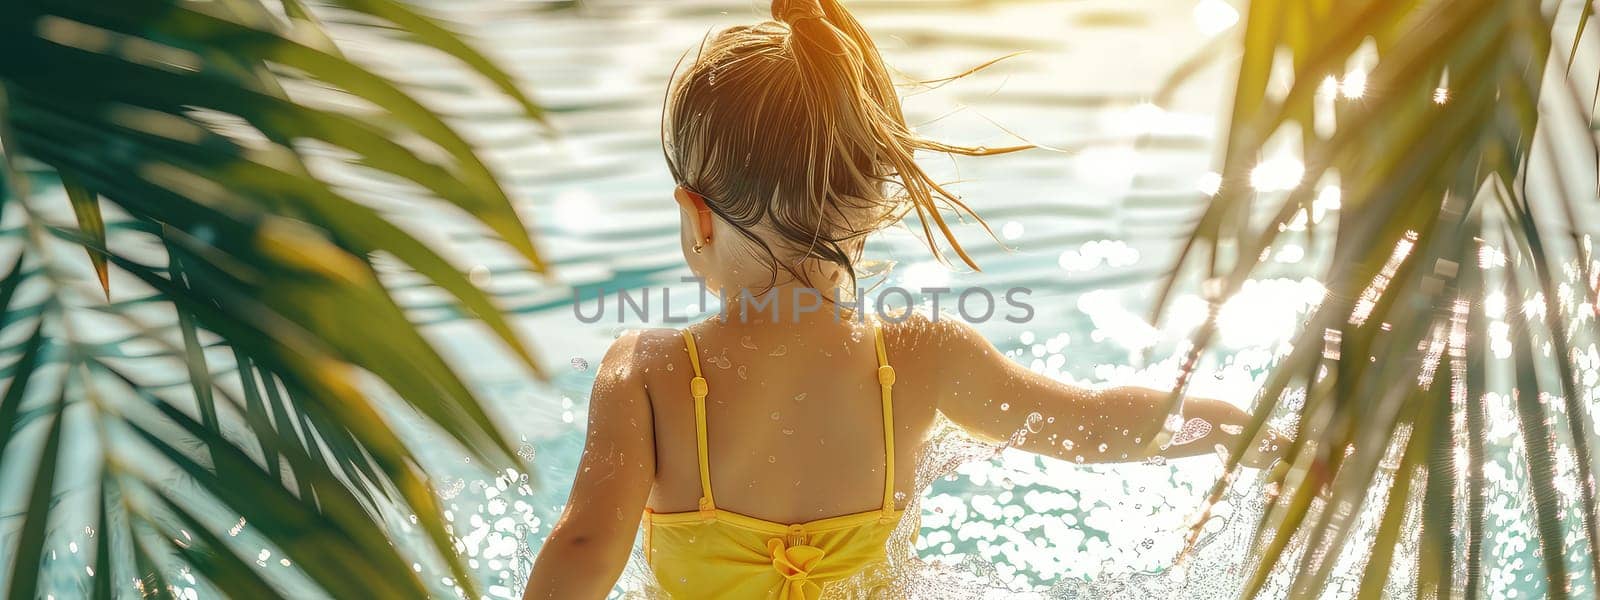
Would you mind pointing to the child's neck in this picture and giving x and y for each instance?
(823, 292)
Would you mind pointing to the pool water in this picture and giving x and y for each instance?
(1088, 225)
(1087, 228)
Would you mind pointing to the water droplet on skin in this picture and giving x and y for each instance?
(1103, 447)
(1067, 444)
(800, 397)
(776, 416)
(788, 431)
(742, 376)
(1231, 429)
(1005, 406)
(1078, 459)
(721, 360)
(1034, 422)
(669, 366)
(771, 459)
(779, 351)
(744, 342)
(1193, 430)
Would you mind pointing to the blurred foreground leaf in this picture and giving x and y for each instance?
(218, 235)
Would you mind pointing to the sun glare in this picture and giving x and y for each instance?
(1329, 87)
(1210, 183)
(1277, 174)
(1214, 16)
(1354, 84)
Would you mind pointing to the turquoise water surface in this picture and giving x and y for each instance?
(1089, 225)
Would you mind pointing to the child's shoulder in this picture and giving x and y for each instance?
(644, 346)
(638, 352)
(920, 330)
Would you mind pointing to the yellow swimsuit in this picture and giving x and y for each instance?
(715, 553)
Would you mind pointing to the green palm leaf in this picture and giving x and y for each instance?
(175, 114)
(1435, 187)
(87, 207)
(30, 545)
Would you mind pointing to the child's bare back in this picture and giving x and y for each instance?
(793, 414)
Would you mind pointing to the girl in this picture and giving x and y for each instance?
(769, 453)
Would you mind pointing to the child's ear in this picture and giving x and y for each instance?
(693, 202)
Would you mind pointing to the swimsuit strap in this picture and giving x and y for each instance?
(698, 389)
(885, 383)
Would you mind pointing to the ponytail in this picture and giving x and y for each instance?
(795, 127)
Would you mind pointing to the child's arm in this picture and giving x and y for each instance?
(589, 546)
(991, 396)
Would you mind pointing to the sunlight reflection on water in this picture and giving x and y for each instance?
(1091, 230)
(994, 523)
(1014, 522)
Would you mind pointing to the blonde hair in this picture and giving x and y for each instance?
(793, 127)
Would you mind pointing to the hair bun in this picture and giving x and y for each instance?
(794, 11)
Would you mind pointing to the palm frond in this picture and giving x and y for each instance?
(186, 139)
(1454, 135)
